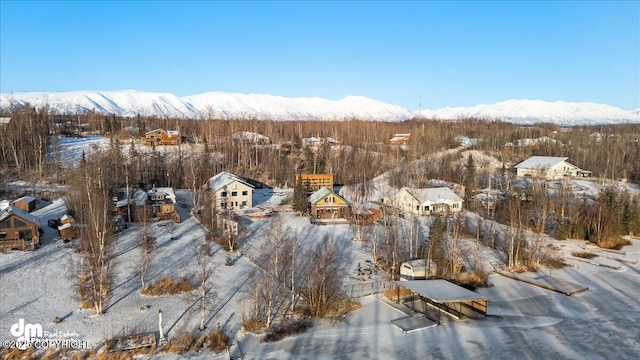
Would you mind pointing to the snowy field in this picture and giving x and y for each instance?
(523, 321)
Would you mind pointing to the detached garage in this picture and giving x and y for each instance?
(26, 203)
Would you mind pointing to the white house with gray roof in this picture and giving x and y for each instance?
(232, 192)
(424, 202)
(549, 167)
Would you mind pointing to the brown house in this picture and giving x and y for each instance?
(161, 137)
(26, 203)
(18, 229)
(314, 182)
(156, 203)
(365, 214)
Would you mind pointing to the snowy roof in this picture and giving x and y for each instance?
(532, 142)
(12, 210)
(319, 139)
(5, 120)
(322, 192)
(170, 194)
(251, 136)
(364, 208)
(540, 162)
(222, 179)
(67, 217)
(70, 225)
(434, 195)
(170, 132)
(440, 290)
(140, 197)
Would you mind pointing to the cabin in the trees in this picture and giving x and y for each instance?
(400, 139)
(316, 142)
(26, 203)
(549, 168)
(326, 204)
(313, 182)
(160, 137)
(18, 229)
(424, 202)
(365, 214)
(232, 192)
(250, 137)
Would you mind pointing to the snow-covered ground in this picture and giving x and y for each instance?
(68, 152)
(524, 321)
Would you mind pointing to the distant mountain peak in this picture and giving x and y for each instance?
(525, 111)
(226, 105)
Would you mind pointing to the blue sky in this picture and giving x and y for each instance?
(447, 53)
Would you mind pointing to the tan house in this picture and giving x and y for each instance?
(549, 168)
(160, 137)
(232, 192)
(326, 204)
(18, 229)
(314, 182)
(424, 202)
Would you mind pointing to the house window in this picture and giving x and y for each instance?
(18, 223)
(223, 194)
(234, 193)
(244, 203)
(25, 234)
(155, 209)
(418, 207)
(3, 235)
(245, 193)
(5, 225)
(223, 205)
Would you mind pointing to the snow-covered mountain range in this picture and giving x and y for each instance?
(264, 107)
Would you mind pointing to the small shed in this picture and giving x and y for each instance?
(70, 230)
(26, 203)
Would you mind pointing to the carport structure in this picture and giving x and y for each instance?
(432, 297)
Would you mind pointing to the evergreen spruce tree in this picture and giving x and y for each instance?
(300, 196)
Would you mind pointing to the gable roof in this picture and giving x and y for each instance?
(167, 191)
(433, 195)
(154, 130)
(540, 162)
(222, 179)
(322, 193)
(12, 210)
